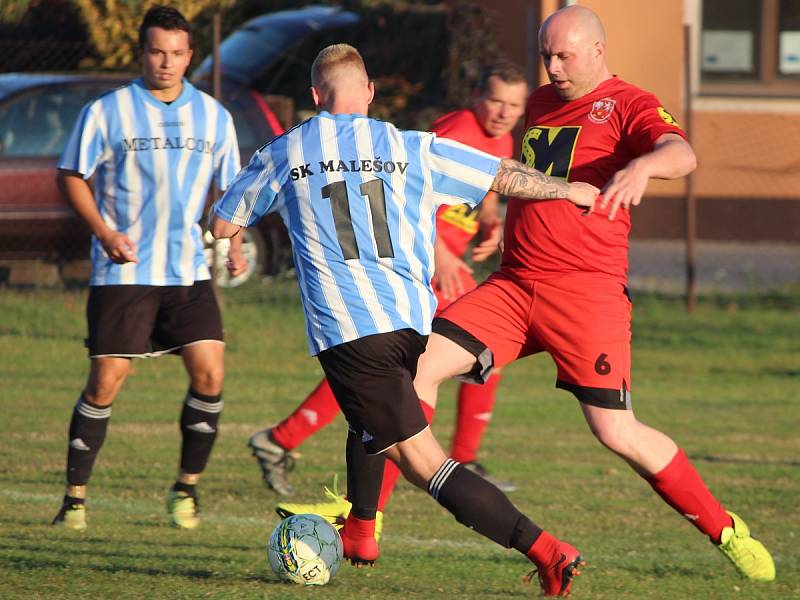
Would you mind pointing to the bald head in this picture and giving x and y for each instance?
(578, 22)
(572, 43)
(339, 80)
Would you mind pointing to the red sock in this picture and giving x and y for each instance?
(543, 549)
(475, 403)
(683, 489)
(316, 411)
(391, 472)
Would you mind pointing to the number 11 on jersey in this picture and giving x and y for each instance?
(340, 203)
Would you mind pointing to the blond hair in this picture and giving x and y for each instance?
(332, 58)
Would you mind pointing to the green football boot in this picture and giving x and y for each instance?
(182, 509)
(71, 516)
(747, 554)
(334, 510)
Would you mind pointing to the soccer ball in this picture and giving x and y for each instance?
(305, 549)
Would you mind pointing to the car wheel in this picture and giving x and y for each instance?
(216, 252)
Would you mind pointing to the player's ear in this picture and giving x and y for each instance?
(599, 49)
(371, 88)
(316, 96)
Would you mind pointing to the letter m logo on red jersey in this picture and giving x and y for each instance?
(550, 149)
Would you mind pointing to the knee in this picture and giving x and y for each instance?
(424, 378)
(102, 388)
(426, 384)
(208, 380)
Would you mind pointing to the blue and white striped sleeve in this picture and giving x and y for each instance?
(459, 173)
(252, 192)
(86, 142)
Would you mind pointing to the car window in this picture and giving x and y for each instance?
(37, 123)
(252, 130)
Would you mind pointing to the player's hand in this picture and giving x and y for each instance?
(583, 194)
(236, 263)
(492, 233)
(625, 189)
(119, 247)
(447, 272)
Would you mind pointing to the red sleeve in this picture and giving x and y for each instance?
(646, 120)
(449, 126)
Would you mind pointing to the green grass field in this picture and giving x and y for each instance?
(724, 382)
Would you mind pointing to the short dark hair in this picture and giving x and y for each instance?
(504, 70)
(165, 17)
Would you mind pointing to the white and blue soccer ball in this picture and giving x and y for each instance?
(305, 549)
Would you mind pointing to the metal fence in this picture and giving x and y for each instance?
(41, 243)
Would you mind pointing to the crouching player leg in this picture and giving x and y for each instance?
(372, 379)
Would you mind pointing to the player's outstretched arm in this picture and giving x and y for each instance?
(515, 179)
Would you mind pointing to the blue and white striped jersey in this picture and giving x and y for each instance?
(153, 165)
(359, 200)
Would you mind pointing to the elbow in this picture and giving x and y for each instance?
(219, 228)
(216, 229)
(686, 158)
(691, 162)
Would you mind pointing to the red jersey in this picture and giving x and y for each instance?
(457, 225)
(588, 139)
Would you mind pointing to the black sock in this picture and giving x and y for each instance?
(188, 488)
(87, 432)
(364, 478)
(479, 505)
(199, 424)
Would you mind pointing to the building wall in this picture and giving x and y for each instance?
(748, 180)
(747, 154)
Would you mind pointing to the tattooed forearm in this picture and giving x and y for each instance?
(515, 179)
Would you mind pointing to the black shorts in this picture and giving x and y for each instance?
(373, 381)
(147, 320)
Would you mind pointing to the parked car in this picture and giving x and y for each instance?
(37, 112)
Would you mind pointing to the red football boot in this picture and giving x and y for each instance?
(556, 578)
(358, 541)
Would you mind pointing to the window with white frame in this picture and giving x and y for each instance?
(750, 47)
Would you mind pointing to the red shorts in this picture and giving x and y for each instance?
(582, 321)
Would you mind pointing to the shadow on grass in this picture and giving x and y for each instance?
(39, 562)
(743, 460)
(77, 539)
(34, 563)
(782, 372)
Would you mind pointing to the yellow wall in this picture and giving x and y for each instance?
(747, 155)
(745, 148)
